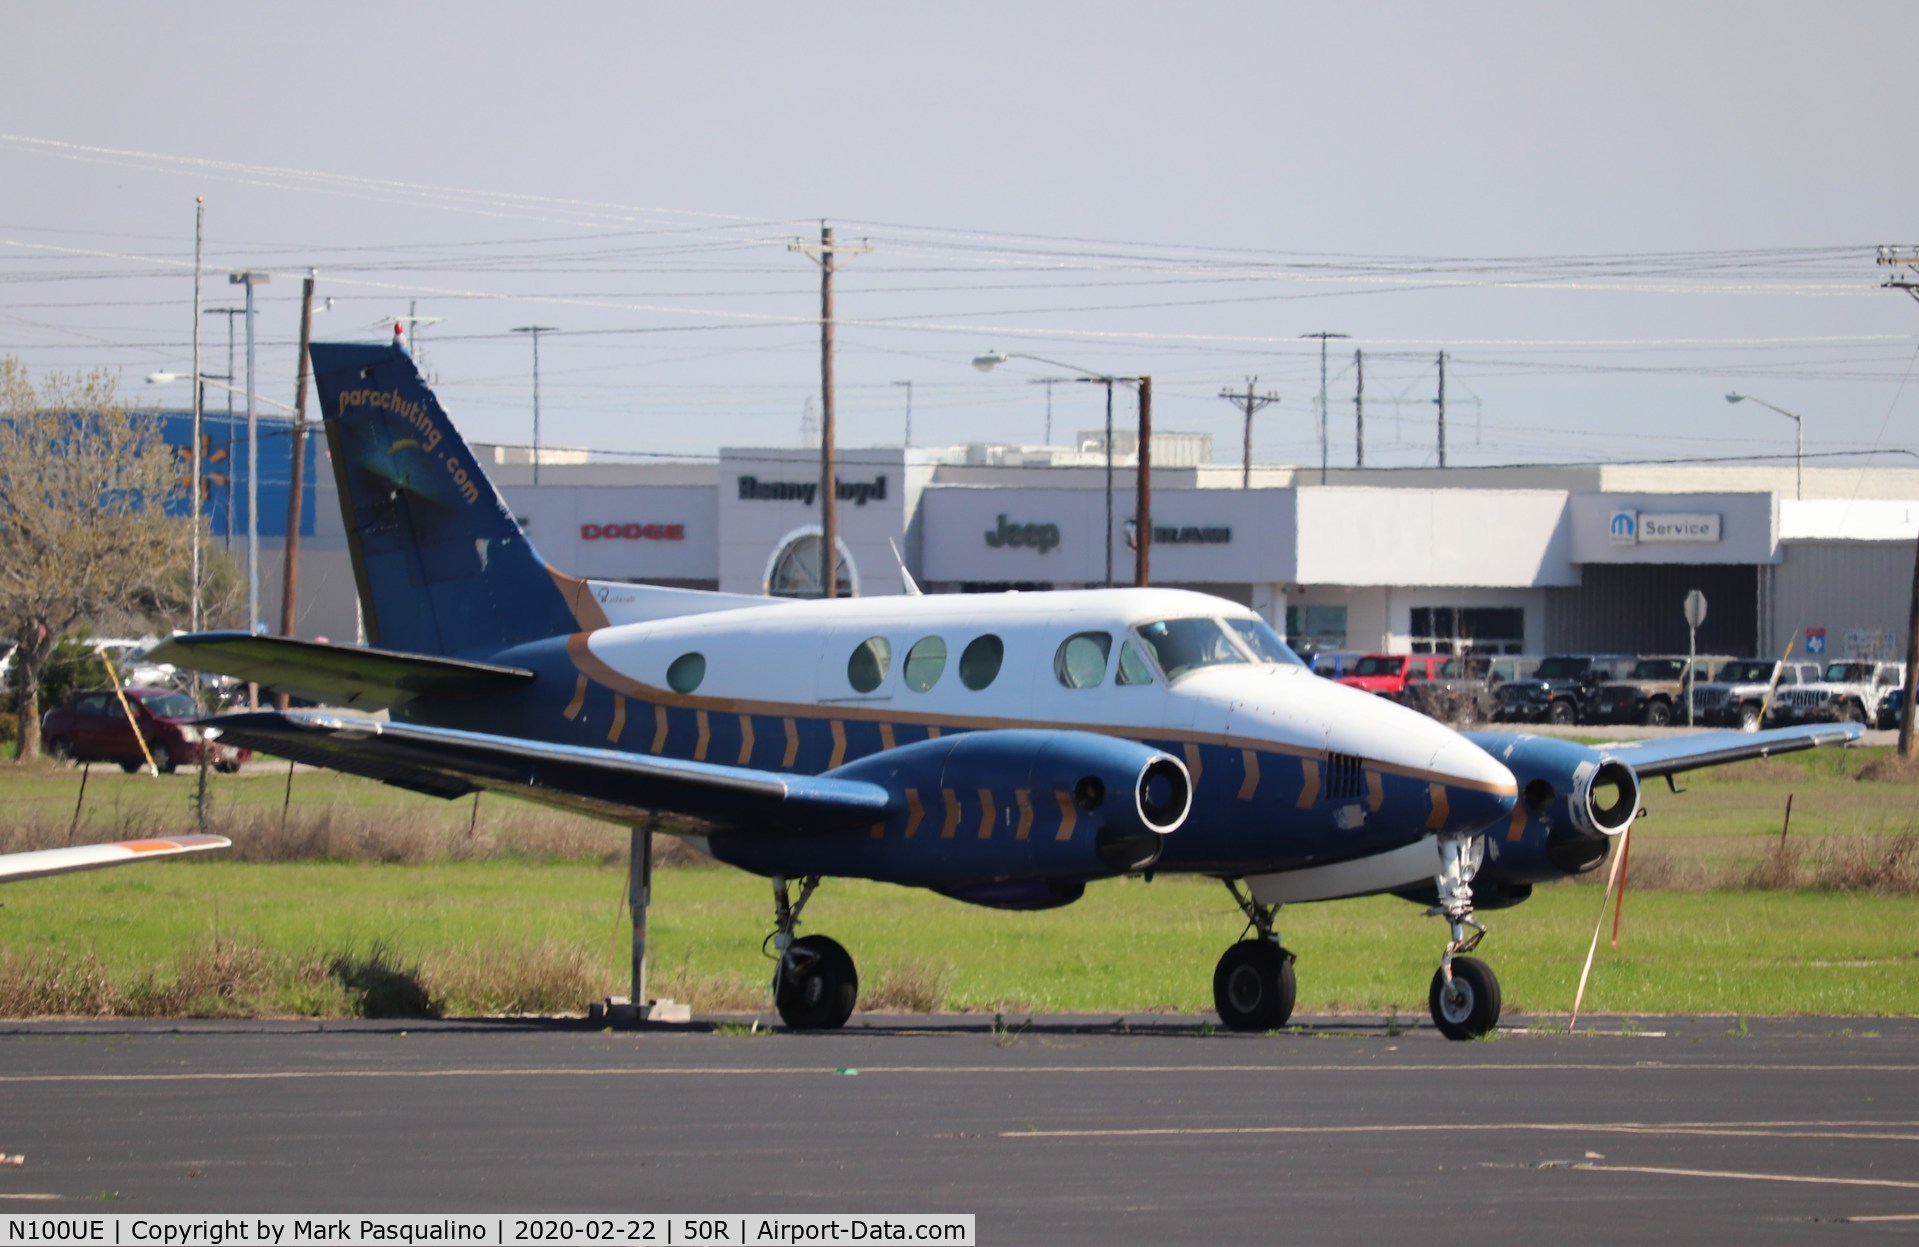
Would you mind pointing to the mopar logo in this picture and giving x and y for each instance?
(1625, 528)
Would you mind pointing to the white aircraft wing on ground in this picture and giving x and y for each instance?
(39, 862)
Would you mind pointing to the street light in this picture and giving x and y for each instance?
(1143, 522)
(213, 379)
(1799, 434)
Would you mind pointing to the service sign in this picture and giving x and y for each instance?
(1652, 528)
(1628, 528)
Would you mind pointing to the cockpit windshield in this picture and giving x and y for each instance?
(1182, 645)
(1265, 644)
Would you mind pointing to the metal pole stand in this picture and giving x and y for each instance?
(624, 1011)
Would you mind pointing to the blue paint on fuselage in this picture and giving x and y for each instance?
(1225, 834)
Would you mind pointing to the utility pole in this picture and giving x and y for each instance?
(1322, 335)
(414, 322)
(290, 581)
(1359, 409)
(536, 331)
(199, 416)
(1143, 555)
(1049, 383)
(909, 411)
(1248, 403)
(1441, 402)
(823, 253)
(1907, 257)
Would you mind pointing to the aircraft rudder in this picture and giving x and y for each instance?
(443, 566)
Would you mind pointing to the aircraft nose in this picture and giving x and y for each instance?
(1477, 790)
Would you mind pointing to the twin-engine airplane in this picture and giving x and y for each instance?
(1004, 749)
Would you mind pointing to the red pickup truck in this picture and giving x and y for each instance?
(1388, 674)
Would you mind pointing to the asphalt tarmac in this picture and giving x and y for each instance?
(1057, 1130)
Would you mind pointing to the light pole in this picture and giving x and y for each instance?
(251, 278)
(536, 331)
(1143, 522)
(1799, 437)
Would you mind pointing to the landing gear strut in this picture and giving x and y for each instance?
(814, 982)
(1465, 993)
(1253, 985)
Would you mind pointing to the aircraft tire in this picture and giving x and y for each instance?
(1254, 986)
(1471, 1009)
(819, 994)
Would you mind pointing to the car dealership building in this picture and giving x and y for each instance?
(1514, 560)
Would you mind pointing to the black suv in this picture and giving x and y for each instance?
(1560, 690)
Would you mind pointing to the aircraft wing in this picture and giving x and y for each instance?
(338, 675)
(39, 862)
(1673, 754)
(604, 783)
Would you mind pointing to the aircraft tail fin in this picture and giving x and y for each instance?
(443, 567)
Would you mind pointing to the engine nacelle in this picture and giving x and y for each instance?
(1008, 818)
(1573, 802)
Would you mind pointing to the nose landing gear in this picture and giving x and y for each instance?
(1253, 985)
(1464, 997)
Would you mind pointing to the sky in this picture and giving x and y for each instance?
(1606, 217)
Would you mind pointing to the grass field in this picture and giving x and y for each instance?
(519, 910)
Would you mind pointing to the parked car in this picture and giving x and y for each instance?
(1462, 691)
(1745, 692)
(1559, 690)
(1891, 708)
(1388, 674)
(1334, 663)
(1653, 692)
(93, 727)
(1852, 690)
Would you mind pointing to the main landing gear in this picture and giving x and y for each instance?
(1253, 986)
(1465, 994)
(814, 982)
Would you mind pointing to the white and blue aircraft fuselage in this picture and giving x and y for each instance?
(1002, 749)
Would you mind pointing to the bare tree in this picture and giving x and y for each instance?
(83, 532)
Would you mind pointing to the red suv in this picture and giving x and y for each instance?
(1388, 674)
(92, 727)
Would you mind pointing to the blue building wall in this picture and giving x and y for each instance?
(223, 475)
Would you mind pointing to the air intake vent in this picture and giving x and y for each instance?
(1345, 777)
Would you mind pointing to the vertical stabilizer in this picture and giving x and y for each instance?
(442, 565)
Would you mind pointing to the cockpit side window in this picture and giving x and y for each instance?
(1132, 668)
(1182, 645)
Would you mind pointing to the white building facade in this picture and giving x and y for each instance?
(1538, 560)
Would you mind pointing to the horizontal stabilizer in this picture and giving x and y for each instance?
(337, 675)
(603, 783)
(40, 862)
